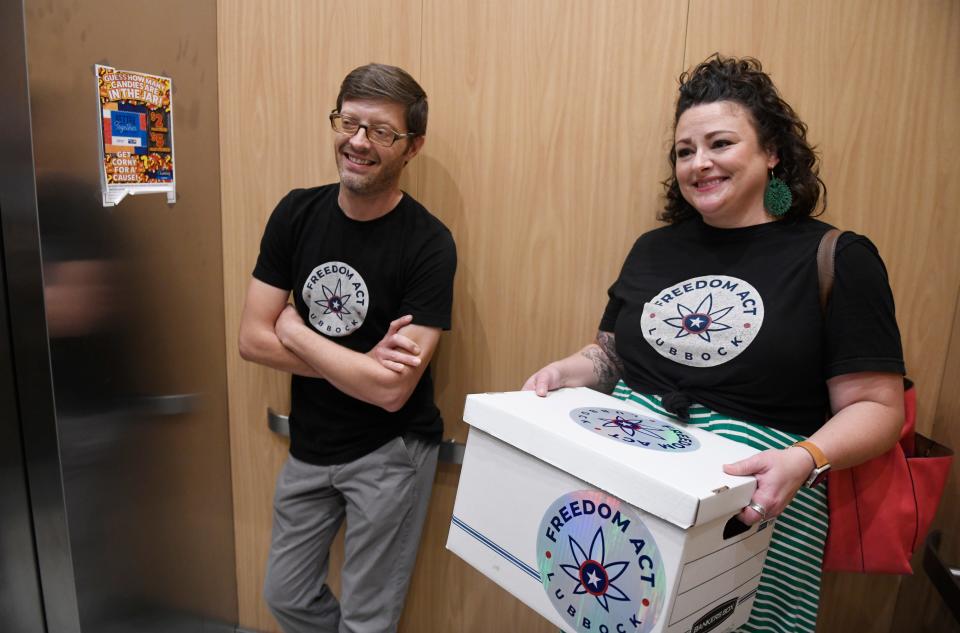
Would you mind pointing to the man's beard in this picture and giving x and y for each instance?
(385, 179)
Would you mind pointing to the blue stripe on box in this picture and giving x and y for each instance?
(525, 568)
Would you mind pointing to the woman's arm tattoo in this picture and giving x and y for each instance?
(607, 366)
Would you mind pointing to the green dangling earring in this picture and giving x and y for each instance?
(777, 196)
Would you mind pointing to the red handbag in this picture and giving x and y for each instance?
(880, 511)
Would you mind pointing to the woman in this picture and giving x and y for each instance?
(715, 319)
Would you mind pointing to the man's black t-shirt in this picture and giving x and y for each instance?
(349, 280)
(731, 318)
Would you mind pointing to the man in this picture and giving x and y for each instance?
(364, 428)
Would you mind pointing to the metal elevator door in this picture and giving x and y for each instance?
(20, 607)
(116, 508)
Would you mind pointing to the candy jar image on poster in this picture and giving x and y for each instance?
(136, 134)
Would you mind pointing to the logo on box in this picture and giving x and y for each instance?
(600, 566)
(631, 428)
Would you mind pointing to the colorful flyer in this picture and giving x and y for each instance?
(136, 134)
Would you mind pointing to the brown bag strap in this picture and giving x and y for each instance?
(826, 254)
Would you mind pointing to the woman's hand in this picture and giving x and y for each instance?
(395, 351)
(547, 379)
(596, 366)
(779, 474)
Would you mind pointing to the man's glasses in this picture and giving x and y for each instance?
(381, 133)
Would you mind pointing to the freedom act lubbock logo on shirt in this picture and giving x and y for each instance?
(336, 297)
(703, 321)
(631, 428)
(600, 566)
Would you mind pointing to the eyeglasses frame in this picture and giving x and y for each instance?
(366, 127)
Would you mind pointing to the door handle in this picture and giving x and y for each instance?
(945, 579)
(279, 424)
(176, 404)
(451, 451)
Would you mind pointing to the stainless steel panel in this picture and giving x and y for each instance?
(119, 325)
(20, 606)
(21, 250)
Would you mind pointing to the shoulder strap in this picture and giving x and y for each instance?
(826, 254)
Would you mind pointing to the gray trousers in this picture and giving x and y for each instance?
(384, 497)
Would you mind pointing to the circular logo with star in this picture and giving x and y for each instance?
(336, 297)
(600, 565)
(634, 429)
(704, 321)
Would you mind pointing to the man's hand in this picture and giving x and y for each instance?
(395, 351)
(596, 366)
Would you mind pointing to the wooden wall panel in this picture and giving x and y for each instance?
(281, 64)
(548, 133)
(550, 129)
(517, 163)
(877, 83)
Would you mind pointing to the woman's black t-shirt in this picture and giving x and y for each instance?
(731, 319)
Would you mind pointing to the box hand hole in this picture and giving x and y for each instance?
(734, 527)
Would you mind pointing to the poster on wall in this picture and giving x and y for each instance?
(136, 134)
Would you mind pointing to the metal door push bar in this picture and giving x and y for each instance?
(451, 451)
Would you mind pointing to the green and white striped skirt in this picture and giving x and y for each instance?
(789, 592)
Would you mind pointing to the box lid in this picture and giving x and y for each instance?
(664, 467)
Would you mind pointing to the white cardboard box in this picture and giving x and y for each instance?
(604, 518)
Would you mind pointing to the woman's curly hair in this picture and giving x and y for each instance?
(778, 127)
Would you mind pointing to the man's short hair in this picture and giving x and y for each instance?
(389, 83)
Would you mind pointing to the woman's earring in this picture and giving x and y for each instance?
(777, 197)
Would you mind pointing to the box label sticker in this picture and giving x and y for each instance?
(600, 566)
(715, 618)
(634, 429)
